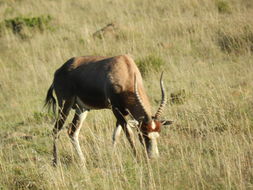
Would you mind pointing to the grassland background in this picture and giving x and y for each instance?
(206, 47)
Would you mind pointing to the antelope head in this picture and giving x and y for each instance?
(150, 126)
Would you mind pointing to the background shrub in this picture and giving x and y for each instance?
(149, 63)
(223, 6)
(18, 24)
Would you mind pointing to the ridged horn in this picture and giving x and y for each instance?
(163, 101)
(147, 117)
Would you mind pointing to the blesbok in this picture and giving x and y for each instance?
(98, 82)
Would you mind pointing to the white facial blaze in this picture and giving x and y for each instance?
(153, 125)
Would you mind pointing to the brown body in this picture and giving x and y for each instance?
(97, 79)
(98, 82)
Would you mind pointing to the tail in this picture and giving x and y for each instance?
(50, 101)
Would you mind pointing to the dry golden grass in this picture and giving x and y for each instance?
(207, 50)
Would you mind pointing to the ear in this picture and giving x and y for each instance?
(166, 122)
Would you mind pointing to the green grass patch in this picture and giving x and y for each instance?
(223, 7)
(19, 24)
(150, 63)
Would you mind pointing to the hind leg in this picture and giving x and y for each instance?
(62, 116)
(74, 130)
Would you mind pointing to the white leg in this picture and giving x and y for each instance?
(130, 131)
(131, 138)
(74, 132)
(116, 134)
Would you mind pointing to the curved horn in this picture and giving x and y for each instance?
(163, 101)
(139, 99)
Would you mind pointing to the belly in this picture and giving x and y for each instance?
(91, 103)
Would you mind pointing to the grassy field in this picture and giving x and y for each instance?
(205, 49)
